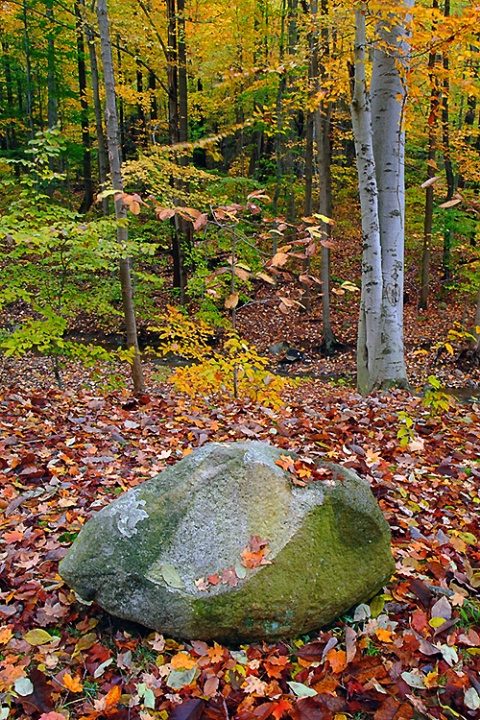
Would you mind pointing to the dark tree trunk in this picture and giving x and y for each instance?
(120, 210)
(28, 71)
(88, 197)
(448, 233)
(429, 192)
(100, 134)
(178, 131)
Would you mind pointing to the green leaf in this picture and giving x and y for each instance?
(301, 690)
(171, 577)
(179, 678)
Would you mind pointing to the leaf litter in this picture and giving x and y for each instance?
(412, 651)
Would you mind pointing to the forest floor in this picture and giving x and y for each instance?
(413, 652)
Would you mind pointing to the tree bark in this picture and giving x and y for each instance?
(447, 160)
(88, 197)
(379, 144)
(117, 181)
(99, 131)
(325, 203)
(178, 131)
(28, 71)
(429, 191)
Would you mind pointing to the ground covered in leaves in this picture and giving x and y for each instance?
(412, 652)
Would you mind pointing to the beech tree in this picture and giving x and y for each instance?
(377, 118)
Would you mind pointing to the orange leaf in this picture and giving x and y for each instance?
(5, 635)
(337, 660)
(112, 697)
(72, 683)
(383, 635)
(216, 653)
(281, 708)
(251, 559)
(182, 661)
(12, 537)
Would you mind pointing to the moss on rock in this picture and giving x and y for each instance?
(144, 556)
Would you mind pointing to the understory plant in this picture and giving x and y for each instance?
(231, 369)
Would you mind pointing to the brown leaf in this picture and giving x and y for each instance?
(41, 698)
(312, 651)
(164, 213)
(279, 259)
(232, 301)
(390, 710)
(200, 221)
(451, 203)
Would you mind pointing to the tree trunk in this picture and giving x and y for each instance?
(447, 232)
(429, 191)
(10, 136)
(101, 144)
(325, 204)
(120, 210)
(178, 131)
(88, 197)
(52, 103)
(379, 144)
(28, 71)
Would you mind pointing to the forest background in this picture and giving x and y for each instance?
(235, 254)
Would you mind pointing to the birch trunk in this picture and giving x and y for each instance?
(111, 122)
(379, 143)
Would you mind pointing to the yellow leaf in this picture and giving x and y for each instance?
(37, 637)
(5, 635)
(324, 219)
(468, 537)
(182, 661)
(436, 622)
(449, 348)
(85, 643)
(72, 684)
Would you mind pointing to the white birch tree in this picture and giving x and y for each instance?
(377, 119)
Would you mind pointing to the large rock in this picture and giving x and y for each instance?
(148, 555)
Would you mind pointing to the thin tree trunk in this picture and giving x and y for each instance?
(121, 111)
(152, 86)
(429, 191)
(100, 134)
(447, 233)
(476, 329)
(178, 131)
(52, 103)
(88, 197)
(28, 71)
(325, 206)
(142, 128)
(120, 210)
(11, 140)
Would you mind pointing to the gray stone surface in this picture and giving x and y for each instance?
(140, 557)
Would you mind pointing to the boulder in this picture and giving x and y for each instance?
(224, 545)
